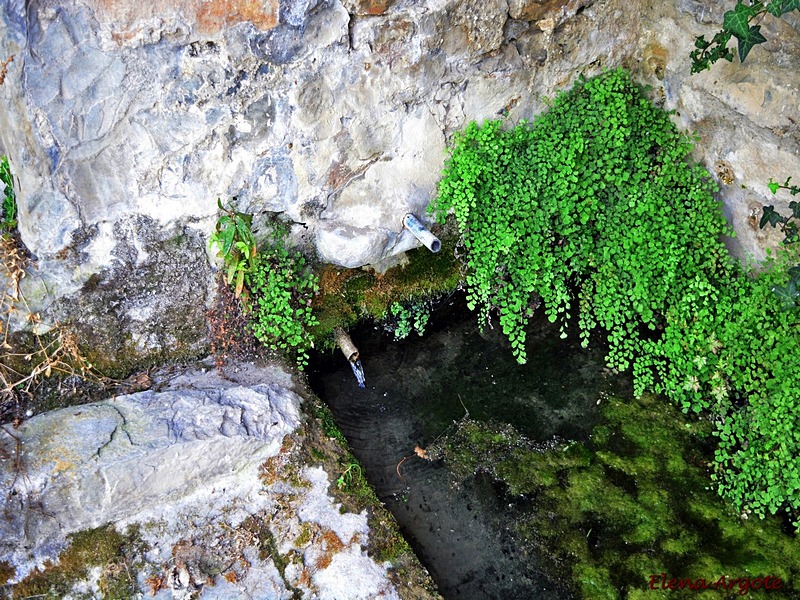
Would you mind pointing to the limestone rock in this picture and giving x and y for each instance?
(367, 7)
(111, 460)
(208, 470)
(346, 240)
(537, 10)
(333, 114)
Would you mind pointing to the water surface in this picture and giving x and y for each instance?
(415, 390)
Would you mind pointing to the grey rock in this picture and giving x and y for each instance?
(349, 246)
(203, 469)
(83, 467)
(148, 304)
(49, 218)
(334, 114)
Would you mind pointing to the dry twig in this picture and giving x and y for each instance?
(4, 69)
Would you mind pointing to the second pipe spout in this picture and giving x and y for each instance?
(350, 352)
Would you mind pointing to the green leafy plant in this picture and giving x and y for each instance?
(594, 209)
(281, 290)
(234, 240)
(738, 23)
(352, 471)
(409, 317)
(790, 292)
(8, 222)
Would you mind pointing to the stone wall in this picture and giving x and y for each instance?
(124, 124)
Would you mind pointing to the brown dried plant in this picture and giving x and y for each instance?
(55, 352)
(4, 69)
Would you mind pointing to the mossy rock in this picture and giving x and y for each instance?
(348, 295)
(633, 503)
(114, 552)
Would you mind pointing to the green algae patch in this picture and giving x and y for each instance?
(629, 514)
(117, 554)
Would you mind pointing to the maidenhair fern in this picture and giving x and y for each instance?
(594, 208)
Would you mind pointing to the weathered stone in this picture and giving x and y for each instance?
(536, 10)
(479, 25)
(149, 304)
(210, 469)
(112, 460)
(332, 115)
(744, 114)
(355, 243)
(367, 7)
(128, 21)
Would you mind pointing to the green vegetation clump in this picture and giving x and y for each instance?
(8, 216)
(594, 208)
(116, 553)
(276, 285)
(234, 240)
(348, 295)
(408, 317)
(507, 456)
(281, 290)
(631, 505)
(292, 307)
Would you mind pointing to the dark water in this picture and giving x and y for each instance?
(415, 390)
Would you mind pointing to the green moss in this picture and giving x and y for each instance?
(304, 538)
(116, 553)
(388, 544)
(355, 287)
(347, 295)
(594, 582)
(633, 504)
(326, 421)
(429, 273)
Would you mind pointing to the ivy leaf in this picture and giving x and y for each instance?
(737, 21)
(770, 216)
(794, 274)
(795, 206)
(746, 43)
(781, 7)
(787, 295)
(774, 186)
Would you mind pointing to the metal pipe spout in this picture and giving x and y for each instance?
(426, 238)
(345, 344)
(350, 352)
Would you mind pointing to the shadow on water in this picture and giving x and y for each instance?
(415, 390)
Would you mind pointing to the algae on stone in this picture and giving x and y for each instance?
(630, 504)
